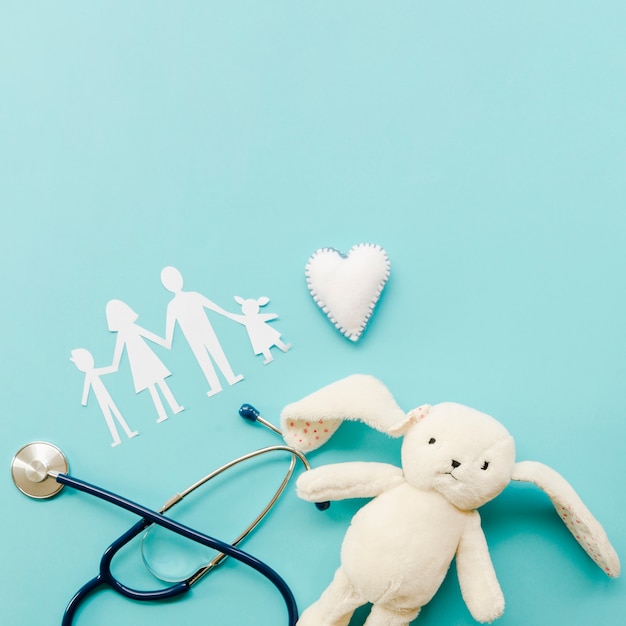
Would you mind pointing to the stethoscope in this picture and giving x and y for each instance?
(40, 470)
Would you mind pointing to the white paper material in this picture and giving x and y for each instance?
(148, 371)
(83, 360)
(189, 312)
(262, 336)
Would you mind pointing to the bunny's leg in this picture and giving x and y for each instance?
(382, 615)
(335, 606)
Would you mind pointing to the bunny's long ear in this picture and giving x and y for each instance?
(576, 516)
(309, 423)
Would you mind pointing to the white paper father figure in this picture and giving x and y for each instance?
(188, 309)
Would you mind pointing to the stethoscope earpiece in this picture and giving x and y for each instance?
(248, 412)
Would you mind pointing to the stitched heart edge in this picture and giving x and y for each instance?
(353, 336)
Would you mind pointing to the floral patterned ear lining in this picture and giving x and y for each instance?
(575, 515)
(347, 287)
(586, 536)
(308, 434)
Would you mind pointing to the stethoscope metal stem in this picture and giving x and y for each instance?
(263, 513)
(248, 412)
(245, 457)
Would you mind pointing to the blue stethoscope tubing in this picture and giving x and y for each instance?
(40, 470)
(148, 516)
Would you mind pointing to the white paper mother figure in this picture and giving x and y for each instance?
(147, 369)
(188, 308)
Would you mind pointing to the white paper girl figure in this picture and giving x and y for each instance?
(83, 360)
(262, 336)
(147, 369)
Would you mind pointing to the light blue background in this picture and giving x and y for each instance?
(482, 144)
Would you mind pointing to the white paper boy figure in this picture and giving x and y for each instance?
(83, 360)
(262, 336)
(188, 309)
(147, 369)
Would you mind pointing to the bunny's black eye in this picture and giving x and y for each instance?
(485, 465)
(432, 440)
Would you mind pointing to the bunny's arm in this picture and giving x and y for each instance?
(477, 578)
(348, 480)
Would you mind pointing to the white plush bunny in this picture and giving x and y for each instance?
(400, 545)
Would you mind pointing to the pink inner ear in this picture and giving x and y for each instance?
(309, 434)
(420, 412)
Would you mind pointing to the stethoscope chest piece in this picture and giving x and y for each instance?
(32, 466)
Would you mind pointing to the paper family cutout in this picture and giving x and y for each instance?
(347, 287)
(188, 311)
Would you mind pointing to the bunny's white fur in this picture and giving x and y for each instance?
(400, 545)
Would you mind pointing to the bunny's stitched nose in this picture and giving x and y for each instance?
(455, 464)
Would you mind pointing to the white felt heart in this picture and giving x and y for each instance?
(347, 287)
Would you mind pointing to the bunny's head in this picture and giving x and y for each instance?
(466, 456)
